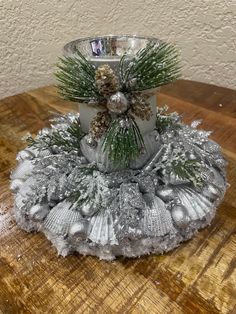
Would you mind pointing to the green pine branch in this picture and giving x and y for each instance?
(123, 141)
(68, 139)
(76, 77)
(189, 170)
(175, 161)
(81, 194)
(153, 66)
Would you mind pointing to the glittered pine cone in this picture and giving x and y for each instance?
(140, 107)
(99, 124)
(106, 80)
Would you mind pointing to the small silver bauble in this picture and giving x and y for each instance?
(191, 156)
(23, 170)
(38, 212)
(55, 149)
(16, 184)
(25, 155)
(117, 103)
(210, 191)
(90, 141)
(213, 190)
(166, 194)
(88, 210)
(180, 216)
(79, 229)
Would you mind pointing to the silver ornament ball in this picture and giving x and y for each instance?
(38, 212)
(191, 156)
(79, 229)
(166, 194)
(16, 184)
(211, 192)
(91, 142)
(117, 103)
(88, 210)
(180, 216)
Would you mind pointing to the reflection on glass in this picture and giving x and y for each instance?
(110, 46)
(98, 47)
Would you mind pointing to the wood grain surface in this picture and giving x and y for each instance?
(197, 277)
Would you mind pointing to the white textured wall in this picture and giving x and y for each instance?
(32, 33)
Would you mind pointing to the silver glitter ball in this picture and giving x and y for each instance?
(166, 194)
(211, 192)
(180, 216)
(79, 229)
(91, 142)
(38, 212)
(16, 184)
(88, 210)
(55, 149)
(117, 103)
(191, 156)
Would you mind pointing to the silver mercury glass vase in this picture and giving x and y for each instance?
(109, 50)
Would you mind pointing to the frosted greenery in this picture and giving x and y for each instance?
(153, 66)
(123, 140)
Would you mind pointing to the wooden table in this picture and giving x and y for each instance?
(197, 277)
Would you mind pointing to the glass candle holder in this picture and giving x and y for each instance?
(109, 50)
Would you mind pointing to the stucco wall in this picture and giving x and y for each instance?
(32, 33)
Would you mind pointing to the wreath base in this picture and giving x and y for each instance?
(123, 213)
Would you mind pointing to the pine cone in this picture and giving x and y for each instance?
(140, 107)
(106, 80)
(99, 124)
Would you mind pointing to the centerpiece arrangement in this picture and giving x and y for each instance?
(122, 176)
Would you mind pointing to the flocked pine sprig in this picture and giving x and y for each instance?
(123, 140)
(68, 139)
(188, 169)
(155, 65)
(175, 162)
(86, 188)
(76, 77)
(167, 121)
